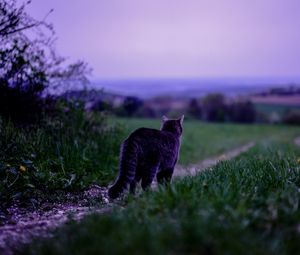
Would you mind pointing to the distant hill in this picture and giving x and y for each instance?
(188, 88)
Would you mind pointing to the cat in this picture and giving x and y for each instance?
(147, 153)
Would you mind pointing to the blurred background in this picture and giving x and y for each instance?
(227, 61)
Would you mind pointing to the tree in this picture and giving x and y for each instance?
(214, 107)
(14, 20)
(131, 105)
(243, 112)
(29, 65)
(292, 117)
(194, 109)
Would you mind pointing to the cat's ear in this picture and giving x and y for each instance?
(181, 119)
(164, 118)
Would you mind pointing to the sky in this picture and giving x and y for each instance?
(123, 39)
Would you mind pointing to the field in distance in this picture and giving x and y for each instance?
(202, 140)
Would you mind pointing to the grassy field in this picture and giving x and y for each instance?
(279, 109)
(249, 205)
(202, 140)
(77, 150)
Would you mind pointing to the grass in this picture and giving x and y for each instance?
(75, 150)
(249, 205)
(65, 153)
(202, 140)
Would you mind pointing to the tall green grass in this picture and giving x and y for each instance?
(76, 148)
(67, 152)
(249, 205)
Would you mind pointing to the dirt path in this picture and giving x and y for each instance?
(22, 225)
(193, 169)
(297, 141)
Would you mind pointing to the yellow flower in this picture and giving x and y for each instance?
(22, 169)
(298, 160)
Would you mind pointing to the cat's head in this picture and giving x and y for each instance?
(172, 125)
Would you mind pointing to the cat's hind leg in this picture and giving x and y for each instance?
(148, 176)
(164, 176)
(136, 180)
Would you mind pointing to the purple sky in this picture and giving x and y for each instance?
(178, 38)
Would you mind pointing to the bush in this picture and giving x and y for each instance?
(22, 105)
(242, 112)
(214, 108)
(131, 105)
(292, 117)
(194, 109)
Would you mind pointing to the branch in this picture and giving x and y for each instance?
(18, 29)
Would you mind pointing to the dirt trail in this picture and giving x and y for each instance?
(297, 141)
(193, 169)
(22, 225)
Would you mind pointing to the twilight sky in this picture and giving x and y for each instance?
(178, 38)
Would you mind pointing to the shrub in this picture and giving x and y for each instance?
(214, 108)
(243, 112)
(131, 105)
(194, 109)
(292, 117)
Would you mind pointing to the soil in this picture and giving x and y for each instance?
(21, 225)
(193, 169)
(297, 141)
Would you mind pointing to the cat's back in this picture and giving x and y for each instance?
(151, 133)
(153, 143)
(153, 137)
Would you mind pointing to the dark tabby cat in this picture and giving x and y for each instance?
(147, 153)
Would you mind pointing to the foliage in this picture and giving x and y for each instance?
(214, 107)
(131, 105)
(66, 152)
(29, 65)
(292, 117)
(249, 205)
(101, 106)
(242, 112)
(194, 109)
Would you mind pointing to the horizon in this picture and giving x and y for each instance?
(146, 88)
(280, 80)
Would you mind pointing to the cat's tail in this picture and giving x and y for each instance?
(128, 164)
